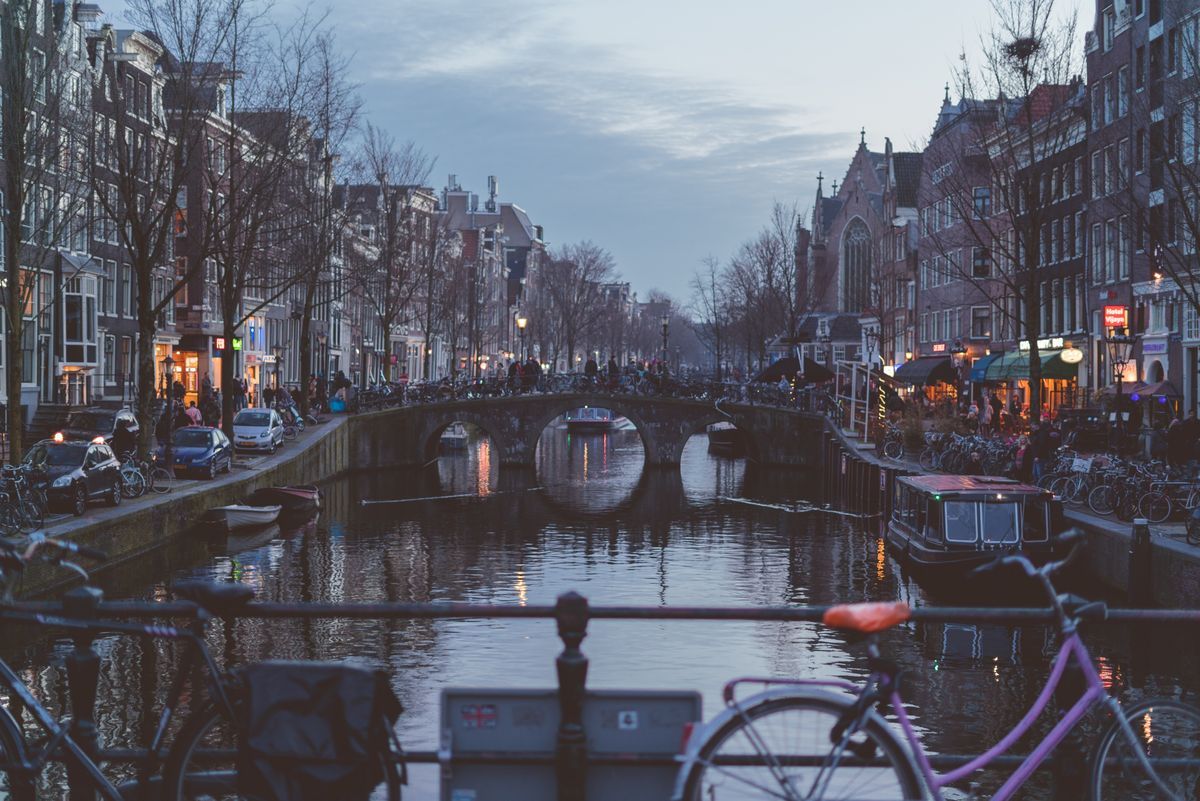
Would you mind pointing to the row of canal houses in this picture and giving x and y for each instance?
(79, 343)
(925, 248)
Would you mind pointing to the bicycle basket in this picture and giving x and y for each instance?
(314, 731)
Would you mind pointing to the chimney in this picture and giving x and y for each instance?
(493, 190)
(474, 202)
(452, 183)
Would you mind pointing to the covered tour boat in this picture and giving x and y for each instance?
(454, 438)
(724, 439)
(589, 418)
(945, 526)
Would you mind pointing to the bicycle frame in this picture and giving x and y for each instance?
(1094, 694)
(59, 734)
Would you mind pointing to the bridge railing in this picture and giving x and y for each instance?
(572, 615)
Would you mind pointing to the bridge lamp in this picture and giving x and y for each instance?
(168, 370)
(522, 321)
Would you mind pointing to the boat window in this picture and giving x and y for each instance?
(932, 526)
(960, 521)
(1001, 523)
(1037, 513)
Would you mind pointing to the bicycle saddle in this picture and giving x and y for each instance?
(214, 596)
(866, 618)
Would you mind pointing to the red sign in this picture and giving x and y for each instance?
(1116, 316)
(939, 347)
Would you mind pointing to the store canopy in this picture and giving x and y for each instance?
(1015, 365)
(816, 373)
(927, 370)
(1161, 389)
(787, 367)
(979, 368)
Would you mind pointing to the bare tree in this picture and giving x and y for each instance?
(44, 128)
(992, 240)
(335, 110)
(710, 307)
(572, 281)
(391, 278)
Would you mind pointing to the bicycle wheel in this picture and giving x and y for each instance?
(793, 733)
(928, 459)
(1102, 499)
(1193, 531)
(1155, 506)
(161, 479)
(133, 483)
(32, 516)
(289, 433)
(1167, 733)
(202, 763)
(1076, 490)
(893, 449)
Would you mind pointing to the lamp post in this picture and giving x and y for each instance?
(872, 338)
(666, 328)
(826, 347)
(1120, 345)
(168, 370)
(522, 321)
(958, 353)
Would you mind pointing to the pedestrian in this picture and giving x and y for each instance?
(268, 396)
(591, 370)
(974, 465)
(194, 414)
(985, 420)
(994, 402)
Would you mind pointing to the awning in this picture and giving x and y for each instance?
(1161, 389)
(1015, 365)
(927, 370)
(787, 367)
(814, 372)
(979, 368)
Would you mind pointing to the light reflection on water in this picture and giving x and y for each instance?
(619, 535)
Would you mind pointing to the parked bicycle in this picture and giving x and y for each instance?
(220, 752)
(805, 739)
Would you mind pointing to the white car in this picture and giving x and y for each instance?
(257, 430)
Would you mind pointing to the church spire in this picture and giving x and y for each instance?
(862, 137)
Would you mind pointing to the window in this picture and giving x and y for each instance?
(1172, 50)
(127, 290)
(1099, 268)
(1109, 27)
(961, 523)
(981, 262)
(1139, 150)
(1110, 98)
(981, 322)
(1122, 91)
(1098, 174)
(1000, 522)
(981, 202)
(1139, 67)
(1077, 188)
(1069, 251)
(1097, 105)
(1124, 247)
(108, 293)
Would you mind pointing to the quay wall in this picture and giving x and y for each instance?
(857, 480)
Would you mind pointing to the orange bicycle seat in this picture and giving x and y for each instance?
(867, 618)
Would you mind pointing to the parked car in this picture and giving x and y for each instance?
(257, 430)
(200, 449)
(76, 472)
(84, 425)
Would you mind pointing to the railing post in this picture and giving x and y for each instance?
(1139, 589)
(571, 612)
(83, 674)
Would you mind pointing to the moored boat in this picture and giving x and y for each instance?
(724, 439)
(589, 418)
(239, 515)
(294, 498)
(454, 437)
(943, 527)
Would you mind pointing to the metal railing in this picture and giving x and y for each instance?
(572, 614)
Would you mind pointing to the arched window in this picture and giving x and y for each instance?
(856, 266)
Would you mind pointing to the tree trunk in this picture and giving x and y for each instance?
(226, 421)
(310, 293)
(145, 376)
(12, 336)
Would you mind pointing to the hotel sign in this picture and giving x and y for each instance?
(1116, 316)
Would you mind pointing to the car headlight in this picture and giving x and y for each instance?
(62, 481)
(264, 435)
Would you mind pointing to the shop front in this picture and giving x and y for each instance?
(933, 379)
(1059, 376)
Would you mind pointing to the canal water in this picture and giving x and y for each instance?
(591, 519)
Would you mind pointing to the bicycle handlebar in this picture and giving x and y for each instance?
(1072, 538)
(38, 541)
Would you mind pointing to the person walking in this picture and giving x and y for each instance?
(985, 420)
(194, 415)
(591, 370)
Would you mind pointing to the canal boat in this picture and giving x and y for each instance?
(589, 418)
(237, 516)
(945, 526)
(293, 498)
(724, 439)
(454, 438)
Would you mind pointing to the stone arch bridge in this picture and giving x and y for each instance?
(409, 435)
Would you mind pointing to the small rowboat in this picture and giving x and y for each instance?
(238, 516)
(454, 437)
(305, 498)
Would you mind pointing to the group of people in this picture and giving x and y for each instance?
(524, 376)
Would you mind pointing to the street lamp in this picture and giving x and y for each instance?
(522, 321)
(958, 353)
(826, 346)
(666, 328)
(1120, 347)
(168, 370)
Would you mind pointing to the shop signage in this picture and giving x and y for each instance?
(237, 343)
(1043, 344)
(269, 358)
(1154, 347)
(939, 347)
(251, 358)
(218, 344)
(1071, 355)
(1116, 316)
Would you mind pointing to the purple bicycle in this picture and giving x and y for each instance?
(815, 739)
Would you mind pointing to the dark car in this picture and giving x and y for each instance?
(76, 472)
(200, 449)
(86, 424)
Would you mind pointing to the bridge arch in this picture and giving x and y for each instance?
(436, 424)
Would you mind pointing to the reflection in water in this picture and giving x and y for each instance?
(619, 535)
